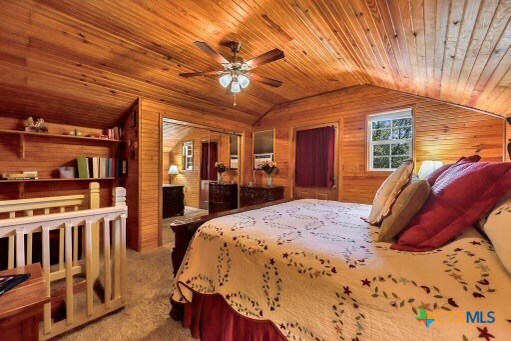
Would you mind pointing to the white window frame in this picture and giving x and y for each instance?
(385, 116)
(188, 155)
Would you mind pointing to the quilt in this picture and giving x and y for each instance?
(313, 269)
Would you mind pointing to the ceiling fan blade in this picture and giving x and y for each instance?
(212, 53)
(265, 58)
(203, 73)
(265, 80)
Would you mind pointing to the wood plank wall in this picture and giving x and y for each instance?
(46, 155)
(442, 132)
(150, 146)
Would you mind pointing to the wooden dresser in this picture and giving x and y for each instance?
(21, 308)
(173, 200)
(254, 195)
(222, 197)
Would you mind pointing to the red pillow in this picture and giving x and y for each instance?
(433, 176)
(459, 198)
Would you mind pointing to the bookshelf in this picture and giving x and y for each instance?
(46, 153)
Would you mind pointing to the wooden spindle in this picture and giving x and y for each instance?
(10, 257)
(88, 268)
(61, 243)
(46, 272)
(108, 265)
(69, 274)
(20, 249)
(30, 240)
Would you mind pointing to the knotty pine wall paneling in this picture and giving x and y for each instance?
(132, 181)
(442, 132)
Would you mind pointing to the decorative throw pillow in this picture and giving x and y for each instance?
(436, 174)
(498, 230)
(389, 191)
(458, 199)
(409, 202)
(480, 224)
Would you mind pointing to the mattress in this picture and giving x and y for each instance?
(313, 269)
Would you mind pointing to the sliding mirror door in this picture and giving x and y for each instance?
(192, 167)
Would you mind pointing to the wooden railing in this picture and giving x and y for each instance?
(111, 221)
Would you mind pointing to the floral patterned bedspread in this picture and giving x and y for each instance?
(312, 268)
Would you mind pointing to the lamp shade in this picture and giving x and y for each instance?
(225, 80)
(244, 81)
(428, 167)
(235, 87)
(173, 170)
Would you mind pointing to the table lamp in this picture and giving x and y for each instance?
(428, 167)
(173, 171)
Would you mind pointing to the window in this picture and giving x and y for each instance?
(188, 155)
(390, 139)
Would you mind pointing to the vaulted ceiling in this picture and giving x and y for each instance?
(89, 59)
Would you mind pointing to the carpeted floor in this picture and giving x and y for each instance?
(146, 316)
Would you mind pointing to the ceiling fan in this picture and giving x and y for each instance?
(237, 73)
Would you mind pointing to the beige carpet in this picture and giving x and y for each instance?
(146, 316)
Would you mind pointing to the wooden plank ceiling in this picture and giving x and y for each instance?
(88, 60)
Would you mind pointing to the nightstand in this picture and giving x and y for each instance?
(173, 198)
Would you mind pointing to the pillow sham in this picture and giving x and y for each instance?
(498, 230)
(389, 191)
(436, 174)
(408, 203)
(458, 199)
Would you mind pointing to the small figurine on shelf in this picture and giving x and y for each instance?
(38, 127)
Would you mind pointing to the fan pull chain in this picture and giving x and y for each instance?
(234, 104)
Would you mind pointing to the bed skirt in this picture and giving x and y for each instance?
(210, 318)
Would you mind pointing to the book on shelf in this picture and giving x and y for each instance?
(115, 133)
(83, 167)
(32, 175)
(95, 167)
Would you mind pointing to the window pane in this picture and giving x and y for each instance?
(381, 162)
(381, 124)
(402, 122)
(401, 149)
(398, 160)
(381, 134)
(401, 133)
(381, 150)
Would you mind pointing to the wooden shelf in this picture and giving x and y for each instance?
(58, 136)
(56, 179)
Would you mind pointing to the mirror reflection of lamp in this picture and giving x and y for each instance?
(428, 167)
(173, 171)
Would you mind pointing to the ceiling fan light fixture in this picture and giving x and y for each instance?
(235, 87)
(244, 81)
(225, 80)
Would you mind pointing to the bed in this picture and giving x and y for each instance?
(311, 269)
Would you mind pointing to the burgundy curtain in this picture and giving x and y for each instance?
(208, 158)
(315, 156)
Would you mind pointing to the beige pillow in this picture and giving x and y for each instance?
(497, 228)
(389, 191)
(408, 203)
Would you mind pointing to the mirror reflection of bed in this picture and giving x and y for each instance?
(188, 168)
